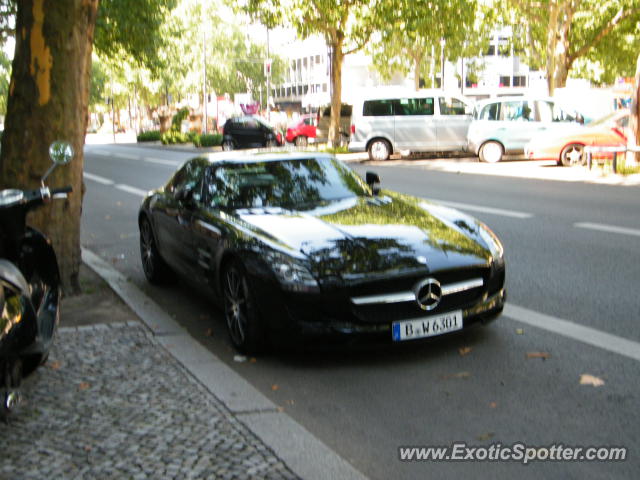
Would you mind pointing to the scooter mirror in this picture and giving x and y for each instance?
(61, 152)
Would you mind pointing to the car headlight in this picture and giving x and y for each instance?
(291, 275)
(493, 242)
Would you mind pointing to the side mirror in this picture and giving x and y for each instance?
(373, 180)
(60, 153)
(184, 195)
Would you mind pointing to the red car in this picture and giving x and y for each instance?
(302, 130)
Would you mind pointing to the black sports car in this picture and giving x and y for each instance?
(296, 244)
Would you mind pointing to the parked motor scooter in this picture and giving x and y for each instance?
(29, 284)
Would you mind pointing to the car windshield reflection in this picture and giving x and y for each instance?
(300, 183)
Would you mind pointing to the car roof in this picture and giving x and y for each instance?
(249, 156)
(515, 98)
(390, 92)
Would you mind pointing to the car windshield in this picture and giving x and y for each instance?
(263, 122)
(606, 119)
(296, 183)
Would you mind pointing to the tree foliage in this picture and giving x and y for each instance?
(346, 27)
(557, 35)
(134, 28)
(412, 41)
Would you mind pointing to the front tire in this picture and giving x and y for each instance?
(491, 152)
(379, 150)
(243, 321)
(227, 145)
(155, 268)
(572, 154)
(301, 141)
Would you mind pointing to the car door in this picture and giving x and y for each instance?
(209, 226)
(552, 118)
(415, 125)
(174, 220)
(452, 120)
(517, 124)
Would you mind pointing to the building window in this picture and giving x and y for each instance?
(324, 87)
(490, 51)
(318, 61)
(505, 81)
(520, 81)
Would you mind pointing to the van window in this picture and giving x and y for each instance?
(516, 111)
(490, 112)
(452, 106)
(415, 106)
(378, 108)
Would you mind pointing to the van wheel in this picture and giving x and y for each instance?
(301, 141)
(491, 152)
(227, 145)
(379, 150)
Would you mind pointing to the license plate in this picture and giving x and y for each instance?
(426, 326)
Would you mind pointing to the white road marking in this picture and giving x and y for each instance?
(133, 190)
(608, 228)
(588, 335)
(126, 155)
(98, 179)
(161, 161)
(480, 208)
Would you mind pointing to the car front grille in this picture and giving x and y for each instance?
(391, 300)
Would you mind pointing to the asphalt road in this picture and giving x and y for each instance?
(572, 252)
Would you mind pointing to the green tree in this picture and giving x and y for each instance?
(346, 27)
(555, 34)
(412, 43)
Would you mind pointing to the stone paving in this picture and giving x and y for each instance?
(111, 403)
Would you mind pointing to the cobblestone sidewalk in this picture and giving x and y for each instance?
(111, 403)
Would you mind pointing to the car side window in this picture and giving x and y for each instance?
(490, 112)
(188, 178)
(452, 106)
(377, 108)
(516, 111)
(415, 106)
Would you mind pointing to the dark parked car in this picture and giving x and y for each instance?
(249, 132)
(294, 244)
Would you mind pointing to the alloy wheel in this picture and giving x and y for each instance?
(235, 305)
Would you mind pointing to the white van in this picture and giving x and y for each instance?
(423, 121)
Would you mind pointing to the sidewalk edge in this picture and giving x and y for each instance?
(305, 454)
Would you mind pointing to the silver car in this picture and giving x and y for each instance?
(507, 124)
(423, 121)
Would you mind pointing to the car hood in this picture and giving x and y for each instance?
(368, 235)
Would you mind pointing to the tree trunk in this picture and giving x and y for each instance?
(48, 101)
(417, 61)
(336, 89)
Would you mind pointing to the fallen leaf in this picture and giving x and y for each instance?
(107, 217)
(519, 331)
(280, 409)
(54, 365)
(87, 448)
(275, 387)
(119, 204)
(209, 332)
(464, 351)
(456, 375)
(586, 379)
(542, 355)
(83, 386)
(493, 405)
(239, 358)
(485, 436)
(252, 360)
